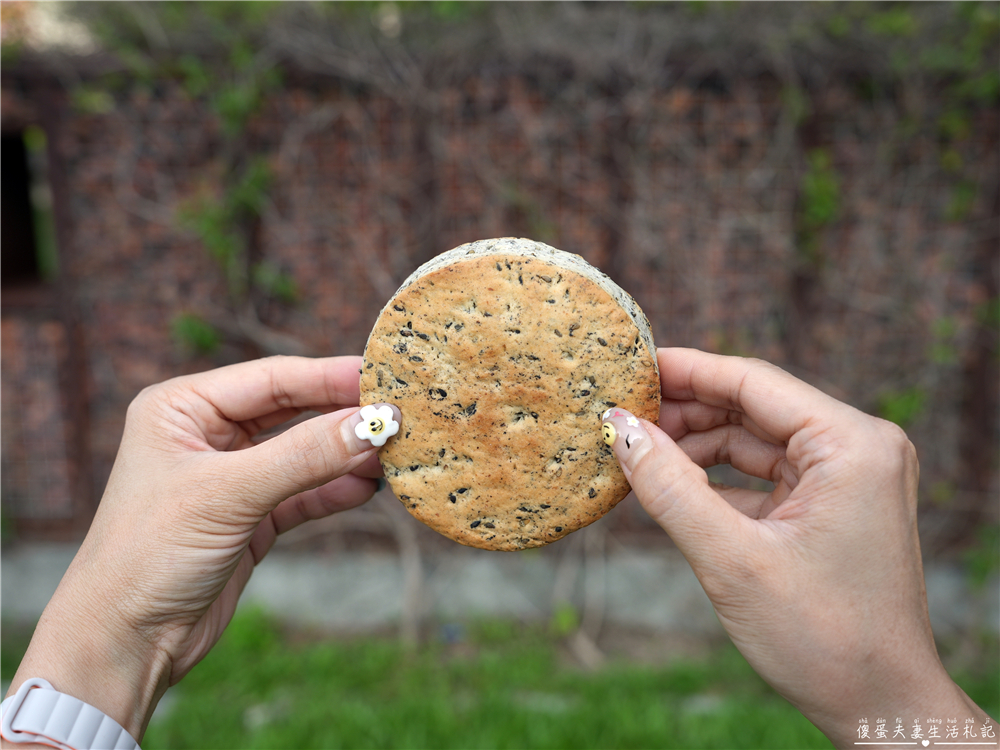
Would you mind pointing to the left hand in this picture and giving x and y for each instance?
(193, 503)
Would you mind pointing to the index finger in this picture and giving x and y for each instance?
(779, 403)
(249, 390)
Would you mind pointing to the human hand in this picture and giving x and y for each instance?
(819, 582)
(192, 504)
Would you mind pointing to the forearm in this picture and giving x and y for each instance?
(90, 656)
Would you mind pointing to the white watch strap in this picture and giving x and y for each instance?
(38, 713)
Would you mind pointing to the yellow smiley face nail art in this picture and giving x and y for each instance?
(377, 423)
(609, 433)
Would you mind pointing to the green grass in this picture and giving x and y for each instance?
(504, 687)
(14, 639)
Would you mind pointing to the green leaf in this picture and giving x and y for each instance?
(988, 313)
(194, 333)
(902, 407)
(250, 192)
(275, 283)
(195, 76)
(897, 21)
(565, 620)
(983, 559)
(91, 100)
(963, 199)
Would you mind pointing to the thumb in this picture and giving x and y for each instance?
(315, 452)
(672, 489)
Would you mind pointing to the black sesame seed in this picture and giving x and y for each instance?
(558, 333)
(406, 332)
(592, 493)
(451, 496)
(474, 524)
(558, 528)
(423, 336)
(401, 382)
(489, 525)
(398, 308)
(416, 359)
(462, 490)
(546, 279)
(601, 341)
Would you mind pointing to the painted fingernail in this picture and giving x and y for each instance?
(624, 433)
(375, 423)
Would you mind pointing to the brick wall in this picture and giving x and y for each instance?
(690, 196)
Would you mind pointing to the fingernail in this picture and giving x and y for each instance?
(381, 484)
(626, 436)
(373, 425)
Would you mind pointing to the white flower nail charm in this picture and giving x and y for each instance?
(377, 424)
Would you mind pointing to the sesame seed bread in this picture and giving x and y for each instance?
(502, 355)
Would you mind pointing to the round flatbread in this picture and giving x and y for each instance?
(502, 355)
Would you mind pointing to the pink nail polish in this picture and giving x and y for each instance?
(623, 432)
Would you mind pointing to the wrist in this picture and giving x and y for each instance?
(92, 657)
(908, 706)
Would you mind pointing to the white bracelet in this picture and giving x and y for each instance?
(39, 713)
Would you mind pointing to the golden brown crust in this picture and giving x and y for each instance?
(502, 366)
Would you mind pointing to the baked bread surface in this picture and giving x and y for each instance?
(502, 356)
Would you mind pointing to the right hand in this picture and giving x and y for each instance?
(818, 582)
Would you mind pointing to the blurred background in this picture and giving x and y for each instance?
(187, 185)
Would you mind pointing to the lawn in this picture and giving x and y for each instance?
(491, 684)
(501, 686)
